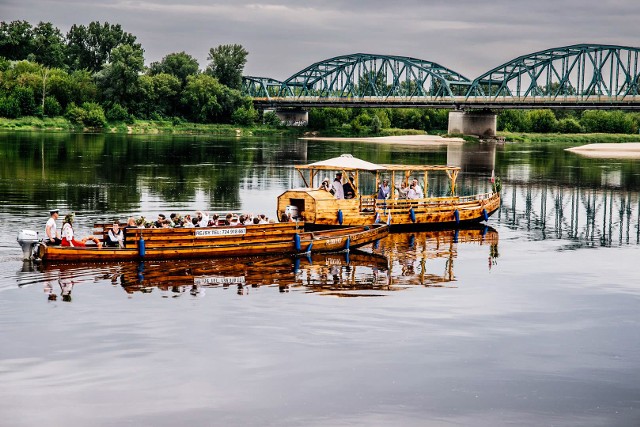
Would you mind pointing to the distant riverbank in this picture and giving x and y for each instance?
(396, 136)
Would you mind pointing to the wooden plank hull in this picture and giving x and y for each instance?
(163, 244)
(317, 208)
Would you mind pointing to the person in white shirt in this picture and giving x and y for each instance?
(51, 230)
(418, 189)
(115, 236)
(336, 187)
(412, 193)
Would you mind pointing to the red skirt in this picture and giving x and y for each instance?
(75, 242)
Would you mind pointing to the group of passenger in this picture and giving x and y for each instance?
(202, 219)
(347, 190)
(115, 236)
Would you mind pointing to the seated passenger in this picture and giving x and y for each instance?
(115, 236)
(52, 236)
(161, 218)
(68, 238)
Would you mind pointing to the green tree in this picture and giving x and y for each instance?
(118, 80)
(89, 48)
(543, 121)
(513, 121)
(199, 98)
(227, 64)
(49, 48)
(245, 116)
(569, 125)
(16, 40)
(180, 65)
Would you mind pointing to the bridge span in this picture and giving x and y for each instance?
(583, 76)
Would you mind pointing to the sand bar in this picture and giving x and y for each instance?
(401, 140)
(626, 150)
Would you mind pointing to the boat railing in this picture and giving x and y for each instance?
(371, 203)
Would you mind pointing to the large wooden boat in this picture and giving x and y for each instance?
(318, 207)
(173, 243)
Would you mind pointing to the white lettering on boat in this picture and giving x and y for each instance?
(217, 280)
(220, 232)
(334, 241)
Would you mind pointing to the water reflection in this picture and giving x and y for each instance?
(586, 217)
(398, 262)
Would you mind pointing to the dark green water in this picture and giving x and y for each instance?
(533, 321)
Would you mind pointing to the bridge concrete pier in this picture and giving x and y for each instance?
(292, 116)
(480, 123)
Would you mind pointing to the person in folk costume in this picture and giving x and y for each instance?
(68, 236)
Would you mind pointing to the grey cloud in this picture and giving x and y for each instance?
(284, 36)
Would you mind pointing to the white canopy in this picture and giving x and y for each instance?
(344, 162)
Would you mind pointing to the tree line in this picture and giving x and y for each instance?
(96, 73)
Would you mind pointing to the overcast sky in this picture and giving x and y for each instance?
(284, 36)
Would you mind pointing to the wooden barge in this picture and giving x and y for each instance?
(317, 207)
(229, 241)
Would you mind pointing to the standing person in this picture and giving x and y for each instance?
(336, 188)
(412, 193)
(51, 230)
(384, 191)
(324, 185)
(349, 189)
(402, 190)
(419, 192)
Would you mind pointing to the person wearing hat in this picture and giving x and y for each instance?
(325, 184)
(51, 230)
(336, 188)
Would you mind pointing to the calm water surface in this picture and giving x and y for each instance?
(534, 320)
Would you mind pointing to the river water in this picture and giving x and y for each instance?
(532, 320)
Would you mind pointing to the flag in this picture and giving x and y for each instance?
(493, 176)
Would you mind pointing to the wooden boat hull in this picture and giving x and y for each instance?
(162, 244)
(318, 208)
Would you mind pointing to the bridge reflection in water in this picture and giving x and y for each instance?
(587, 217)
(398, 262)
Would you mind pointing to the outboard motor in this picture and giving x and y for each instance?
(27, 240)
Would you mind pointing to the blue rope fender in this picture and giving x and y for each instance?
(296, 242)
(485, 215)
(456, 215)
(412, 214)
(347, 244)
(141, 247)
(340, 216)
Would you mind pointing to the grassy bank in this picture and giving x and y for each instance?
(141, 127)
(170, 127)
(583, 138)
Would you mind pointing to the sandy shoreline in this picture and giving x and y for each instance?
(402, 139)
(627, 150)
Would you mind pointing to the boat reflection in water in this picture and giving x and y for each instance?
(426, 258)
(397, 262)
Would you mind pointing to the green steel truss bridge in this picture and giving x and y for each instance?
(580, 76)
